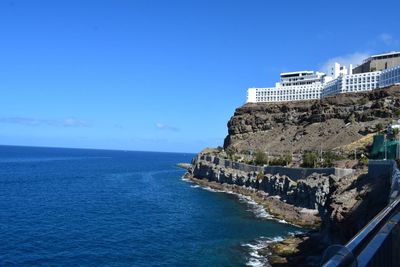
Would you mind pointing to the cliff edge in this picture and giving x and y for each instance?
(330, 123)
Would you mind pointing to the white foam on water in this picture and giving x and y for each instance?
(185, 179)
(207, 188)
(255, 259)
(256, 263)
(212, 190)
(296, 233)
(258, 210)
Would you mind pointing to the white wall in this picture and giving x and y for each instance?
(251, 95)
(352, 83)
(341, 81)
(284, 93)
(360, 82)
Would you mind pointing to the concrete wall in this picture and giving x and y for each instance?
(377, 64)
(386, 169)
(293, 173)
(381, 169)
(364, 67)
(383, 64)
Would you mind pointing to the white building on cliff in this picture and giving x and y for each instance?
(348, 83)
(309, 85)
(299, 85)
(389, 77)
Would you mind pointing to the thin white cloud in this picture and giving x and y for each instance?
(163, 126)
(68, 122)
(388, 39)
(354, 58)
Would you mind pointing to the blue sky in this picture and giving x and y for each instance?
(164, 75)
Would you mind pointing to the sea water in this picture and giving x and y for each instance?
(80, 207)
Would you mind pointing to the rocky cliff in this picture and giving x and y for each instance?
(310, 192)
(344, 204)
(308, 125)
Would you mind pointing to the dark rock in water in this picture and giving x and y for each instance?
(185, 166)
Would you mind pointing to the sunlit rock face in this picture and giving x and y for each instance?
(306, 125)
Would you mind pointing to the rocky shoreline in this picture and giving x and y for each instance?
(278, 209)
(277, 253)
(331, 210)
(185, 166)
(333, 204)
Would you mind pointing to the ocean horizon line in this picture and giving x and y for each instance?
(99, 149)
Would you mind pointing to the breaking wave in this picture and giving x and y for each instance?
(255, 259)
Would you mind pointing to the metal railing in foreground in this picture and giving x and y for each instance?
(377, 244)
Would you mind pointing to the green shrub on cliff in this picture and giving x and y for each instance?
(364, 161)
(328, 158)
(363, 101)
(260, 175)
(260, 158)
(379, 127)
(310, 160)
(281, 161)
(230, 153)
(288, 158)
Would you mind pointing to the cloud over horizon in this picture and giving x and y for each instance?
(29, 121)
(353, 58)
(163, 126)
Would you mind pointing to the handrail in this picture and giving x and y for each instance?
(378, 241)
(355, 243)
(346, 255)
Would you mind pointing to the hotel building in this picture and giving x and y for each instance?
(352, 83)
(379, 62)
(389, 77)
(308, 85)
(299, 85)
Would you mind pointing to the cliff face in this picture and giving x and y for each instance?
(310, 192)
(344, 204)
(354, 201)
(308, 125)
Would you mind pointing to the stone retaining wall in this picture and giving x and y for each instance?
(293, 173)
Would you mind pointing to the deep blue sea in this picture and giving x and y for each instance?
(80, 207)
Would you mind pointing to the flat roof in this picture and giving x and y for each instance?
(385, 54)
(391, 53)
(296, 72)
